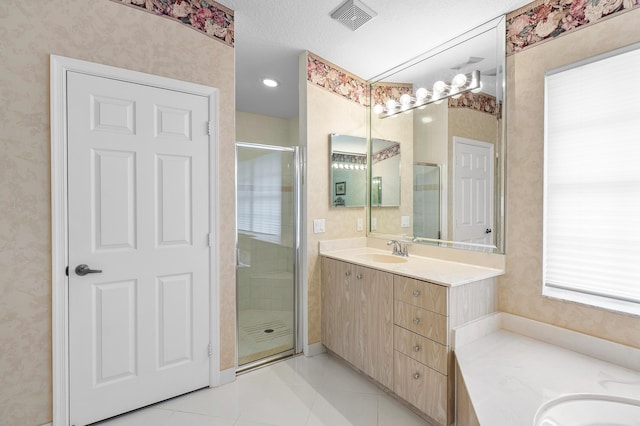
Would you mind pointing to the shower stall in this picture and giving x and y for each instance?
(267, 253)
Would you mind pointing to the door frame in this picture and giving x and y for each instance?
(59, 66)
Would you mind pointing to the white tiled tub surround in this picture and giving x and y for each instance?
(421, 266)
(511, 365)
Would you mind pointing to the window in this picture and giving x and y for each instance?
(591, 248)
(260, 194)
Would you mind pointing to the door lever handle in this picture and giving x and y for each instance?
(83, 270)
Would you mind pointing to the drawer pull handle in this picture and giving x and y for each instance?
(416, 348)
(347, 274)
(416, 376)
(416, 293)
(359, 276)
(416, 321)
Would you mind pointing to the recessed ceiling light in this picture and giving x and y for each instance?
(269, 82)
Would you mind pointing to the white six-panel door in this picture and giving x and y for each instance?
(138, 211)
(473, 191)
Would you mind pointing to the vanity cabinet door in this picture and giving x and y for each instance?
(375, 331)
(357, 317)
(338, 301)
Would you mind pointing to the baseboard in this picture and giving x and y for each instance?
(48, 424)
(227, 376)
(314, 349)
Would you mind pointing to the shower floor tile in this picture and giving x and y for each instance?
(262, 333)
(299, 391)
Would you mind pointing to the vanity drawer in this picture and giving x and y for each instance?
(426, 295)
(421, 349)
(421, 386)
(426, 323)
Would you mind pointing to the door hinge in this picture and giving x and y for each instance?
(66, 271)
(210, 350)
(210, 239)
(210, 128)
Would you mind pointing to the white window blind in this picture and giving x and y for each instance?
(592, 183)
(260, 194)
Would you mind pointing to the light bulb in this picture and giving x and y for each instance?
(378, 109)
(439, 86)
(269, 82)
(455, 93)
(391, 105)
(405, 100)
(459, 80)
(421, 94)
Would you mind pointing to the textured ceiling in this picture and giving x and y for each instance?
(270, 35)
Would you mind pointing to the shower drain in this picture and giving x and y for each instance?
(269, 330)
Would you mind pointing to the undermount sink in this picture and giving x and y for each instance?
(588, 410)
(383, 258)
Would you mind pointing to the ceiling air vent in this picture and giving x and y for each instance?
(353, 14)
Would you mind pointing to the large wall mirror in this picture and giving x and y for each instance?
(445, 109)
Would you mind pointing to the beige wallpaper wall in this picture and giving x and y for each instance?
(326, 114)
(108, 33)
(520, 288)
(397, 129)
(264, 129)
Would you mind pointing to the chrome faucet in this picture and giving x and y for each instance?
(400, 248)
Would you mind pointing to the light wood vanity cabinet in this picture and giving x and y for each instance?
(397, 329)
(357, 317)
(421, 339)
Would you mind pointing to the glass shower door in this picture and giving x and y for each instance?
(426, 201)
(267, 248)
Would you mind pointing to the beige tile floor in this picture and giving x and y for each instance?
(299, 391)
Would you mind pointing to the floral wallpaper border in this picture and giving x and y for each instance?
(547, 19)
(206, 16)
(477, 102)
(382, 92)
(324, 74)
(383, 154)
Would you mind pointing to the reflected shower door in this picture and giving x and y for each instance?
(426, 200)
(267, 252)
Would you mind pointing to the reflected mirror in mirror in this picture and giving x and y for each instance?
(348, 171)
(385, 172)
(445, 107)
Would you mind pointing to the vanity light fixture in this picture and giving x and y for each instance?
(441, 90)
(349, 166)
(269, 82)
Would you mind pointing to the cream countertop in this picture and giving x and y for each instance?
(443, 272)
(509, 374)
